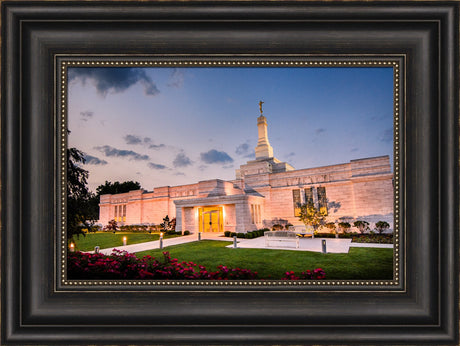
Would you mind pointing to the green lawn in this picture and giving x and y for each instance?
(109, 240)
(358, 264)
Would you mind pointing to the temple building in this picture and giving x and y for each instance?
(265, 191)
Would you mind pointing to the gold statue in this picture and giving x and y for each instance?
(260, 107)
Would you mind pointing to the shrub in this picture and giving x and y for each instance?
(233, 234)
(277, 227)
(227, 233)
(316, 274)
(186, 232)
(112, 226)
(373, 238)
(241, 235)
(330, 226)
(324, 235)
(124, 265)
(288, 225)
(348, 235)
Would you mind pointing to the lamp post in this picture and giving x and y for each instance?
(125, 240)
(72, 247)
(161, 240)
(323, 246)
(199, 235)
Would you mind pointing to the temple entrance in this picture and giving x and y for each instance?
(211, 219)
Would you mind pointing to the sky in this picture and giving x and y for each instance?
(174, 126)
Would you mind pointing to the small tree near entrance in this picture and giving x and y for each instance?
(311, 216)
(169, 226)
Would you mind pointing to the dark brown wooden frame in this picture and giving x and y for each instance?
(423, 310)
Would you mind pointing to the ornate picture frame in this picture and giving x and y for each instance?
(41, 308)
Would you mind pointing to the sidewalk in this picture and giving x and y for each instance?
(166, 242)
(333, 245)
(305, 244)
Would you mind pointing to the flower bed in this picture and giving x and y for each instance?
(124, 265)
(373, 238)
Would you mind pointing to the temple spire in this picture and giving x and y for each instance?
(263, 149)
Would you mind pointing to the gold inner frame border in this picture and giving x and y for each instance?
(62, 62)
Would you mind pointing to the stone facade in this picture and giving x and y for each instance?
(265, 192)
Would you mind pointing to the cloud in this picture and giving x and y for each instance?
(176, 79)
(113, 152)
(242, 149)
(179, 173)
(227, 167)
(156, 166)
(291, 154)
(132, 139)
(320, 131)
(387, 135)
(182, 160)
(214, 156)
(250, 156)
(114, 79)
(156, 146)
(354, 150)
(92, 160)
(86, 115)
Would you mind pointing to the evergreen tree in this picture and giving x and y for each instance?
(79, 213)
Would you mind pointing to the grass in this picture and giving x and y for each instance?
(109, 240)
(358, 264)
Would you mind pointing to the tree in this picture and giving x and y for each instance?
(111, 189)
(117, 187)
(168, 225)
(344, 226)
(311, 216)
(331, 227)
(79, 215)
(381, 226)
(361, 225)
(112, 226)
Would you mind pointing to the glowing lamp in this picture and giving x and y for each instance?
(72, 247)
(125, 239)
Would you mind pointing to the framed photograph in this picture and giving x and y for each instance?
(230, 173)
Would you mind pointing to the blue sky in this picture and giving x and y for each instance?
(173, 126)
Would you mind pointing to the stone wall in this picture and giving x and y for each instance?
(360, 189)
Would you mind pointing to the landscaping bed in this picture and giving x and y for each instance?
(123, 265)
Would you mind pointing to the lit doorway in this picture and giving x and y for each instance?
(211, 219)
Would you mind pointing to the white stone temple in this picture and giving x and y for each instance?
(266, 191)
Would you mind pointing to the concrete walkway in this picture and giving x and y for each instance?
(151, 245)
(333, 245)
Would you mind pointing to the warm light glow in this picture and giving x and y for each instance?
(223, 212)
(161, 235)
(72, 247)
(124, 238)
